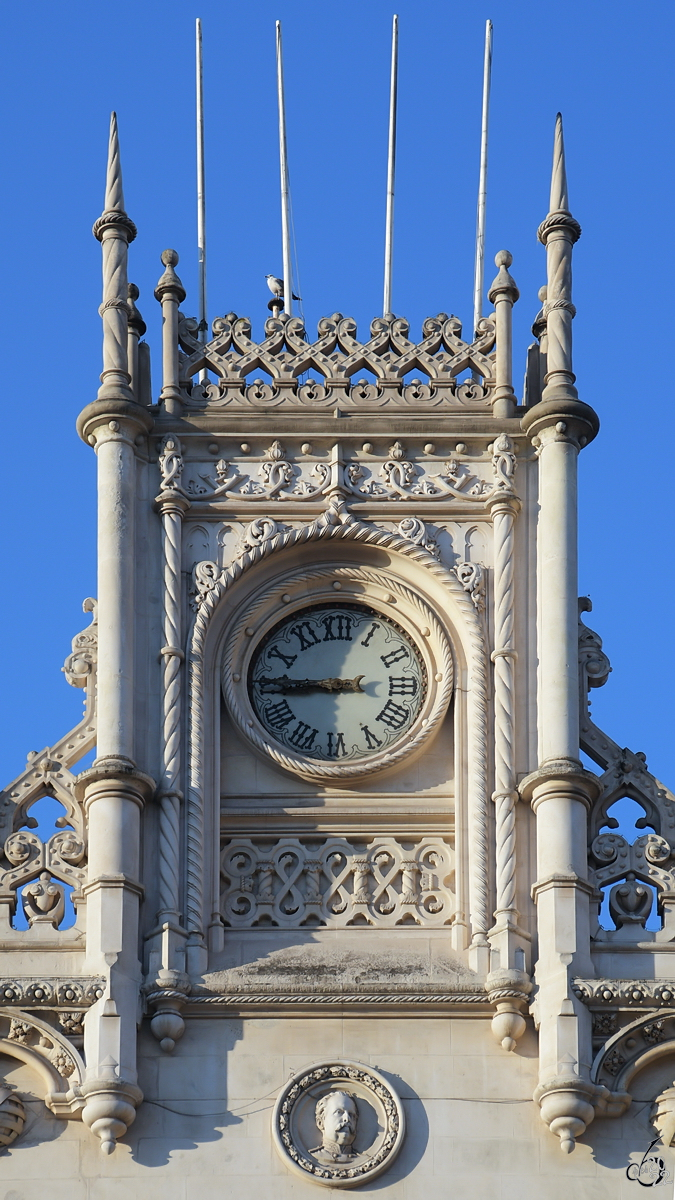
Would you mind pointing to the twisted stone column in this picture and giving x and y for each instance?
(167, 1024)
(503, 657)
(508, 985)
(172, 506)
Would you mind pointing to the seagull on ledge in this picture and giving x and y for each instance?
(276, 286)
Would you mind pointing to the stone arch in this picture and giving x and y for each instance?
(49, 1054)
(337, 528)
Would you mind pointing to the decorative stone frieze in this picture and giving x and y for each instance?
(51, 993)
(399, 475)
(337, 883)
(339, 1124)
(625, 993)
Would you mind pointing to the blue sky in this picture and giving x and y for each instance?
(605, 65)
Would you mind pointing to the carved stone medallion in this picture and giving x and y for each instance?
(339, 1124)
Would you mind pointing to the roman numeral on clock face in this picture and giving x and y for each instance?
(336, 745)
(286, 659)
(395, 656)
(302, 736)
(393, 715)
(279, 715)
(305, 635)
(402, 685)
(338, 627)
(374, 627)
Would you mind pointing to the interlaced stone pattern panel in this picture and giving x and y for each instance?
(332, 882)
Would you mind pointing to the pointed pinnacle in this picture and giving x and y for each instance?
(559, 216)
(114, 193)
(114, 214)
(559, 201)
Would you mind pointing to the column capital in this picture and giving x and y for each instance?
(580, 422)
(112, 774)
(124, 418)
(172, 502)
(563, 776)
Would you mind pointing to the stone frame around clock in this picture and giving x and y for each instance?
(382, 591)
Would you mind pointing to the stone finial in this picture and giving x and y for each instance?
(169, 281)
(539, 323)
(504, 284)
(135, 318)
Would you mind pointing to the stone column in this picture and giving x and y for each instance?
(503, 294)
(170, 293)
(114, 791)
(560, 790)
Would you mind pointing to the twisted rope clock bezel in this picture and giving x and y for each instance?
(410, 611)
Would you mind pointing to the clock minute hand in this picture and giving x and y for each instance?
(284, 685)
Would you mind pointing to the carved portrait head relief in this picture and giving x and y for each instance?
(336, 1116)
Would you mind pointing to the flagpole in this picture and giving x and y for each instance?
(482, 183)
(391, 171)
(201, 196)
(283, 170)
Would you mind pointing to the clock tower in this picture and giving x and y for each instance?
(337, 866)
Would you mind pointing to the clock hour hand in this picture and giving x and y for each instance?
(284, 685)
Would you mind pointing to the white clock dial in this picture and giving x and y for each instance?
(337, 682)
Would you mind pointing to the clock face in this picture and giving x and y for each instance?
(337, 682)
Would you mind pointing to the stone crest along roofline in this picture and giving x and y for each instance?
(336, 357)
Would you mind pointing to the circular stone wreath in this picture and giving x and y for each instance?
(381, 591)
(318, 1080)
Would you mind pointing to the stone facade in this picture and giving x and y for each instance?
(337, 867)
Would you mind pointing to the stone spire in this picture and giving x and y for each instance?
(558, 232)
(114, 192)
(558, 201)
(114, 230)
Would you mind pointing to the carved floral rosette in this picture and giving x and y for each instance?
(380, 1127)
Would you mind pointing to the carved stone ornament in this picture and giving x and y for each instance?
(339, 1124)
(12, 1116)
